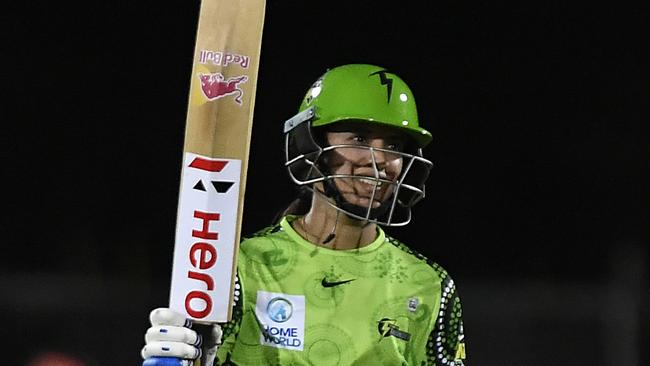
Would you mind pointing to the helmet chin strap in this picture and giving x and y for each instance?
(332, 235)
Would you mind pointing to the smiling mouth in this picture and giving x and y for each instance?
(371, 182)
(370, 189)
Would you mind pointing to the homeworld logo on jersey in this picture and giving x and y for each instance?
(282, 320)
(279, 310)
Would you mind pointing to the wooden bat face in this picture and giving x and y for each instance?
(217, 140)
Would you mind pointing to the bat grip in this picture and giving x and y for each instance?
(166, 361)
(208, 344)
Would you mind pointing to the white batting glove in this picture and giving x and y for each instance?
(170, 341)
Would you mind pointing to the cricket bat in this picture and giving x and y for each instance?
(215, 156)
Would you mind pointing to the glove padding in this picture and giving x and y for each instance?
(170, 336)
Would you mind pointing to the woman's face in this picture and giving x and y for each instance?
(358, 161)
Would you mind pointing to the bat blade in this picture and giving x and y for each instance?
(215, 157)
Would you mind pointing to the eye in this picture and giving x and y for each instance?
(359, 139)
(395, 146)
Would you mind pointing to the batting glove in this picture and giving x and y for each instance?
(170, 341)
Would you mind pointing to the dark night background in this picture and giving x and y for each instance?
(538, 204)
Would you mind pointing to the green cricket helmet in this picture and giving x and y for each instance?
(365, 93)
(368, 95)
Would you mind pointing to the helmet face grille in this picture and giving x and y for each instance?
(307, 163)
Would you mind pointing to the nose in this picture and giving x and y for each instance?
(385, 161)
(379, 157)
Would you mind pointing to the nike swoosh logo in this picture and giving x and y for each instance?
(325, 283)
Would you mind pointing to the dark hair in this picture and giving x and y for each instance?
(302, 203)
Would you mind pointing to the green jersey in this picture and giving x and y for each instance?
(302, 304)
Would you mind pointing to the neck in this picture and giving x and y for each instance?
(326, 226)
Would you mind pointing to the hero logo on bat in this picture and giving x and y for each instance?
(215, 86)
(205, 237)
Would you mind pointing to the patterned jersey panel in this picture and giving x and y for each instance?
(446, 346)
(446, 343)
(231, 328)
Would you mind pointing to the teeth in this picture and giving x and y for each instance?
(371, 182)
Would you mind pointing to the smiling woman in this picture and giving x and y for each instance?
(326, 285)
(359, 173)
(372, 154)
(359, 124)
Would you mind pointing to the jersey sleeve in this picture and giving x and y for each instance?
(446, 344)
(231, 328)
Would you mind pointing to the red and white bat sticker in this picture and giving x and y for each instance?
(205, 237)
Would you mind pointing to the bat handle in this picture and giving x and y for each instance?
(166, 361)
(209, 343)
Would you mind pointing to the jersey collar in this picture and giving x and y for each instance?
(286, 226)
